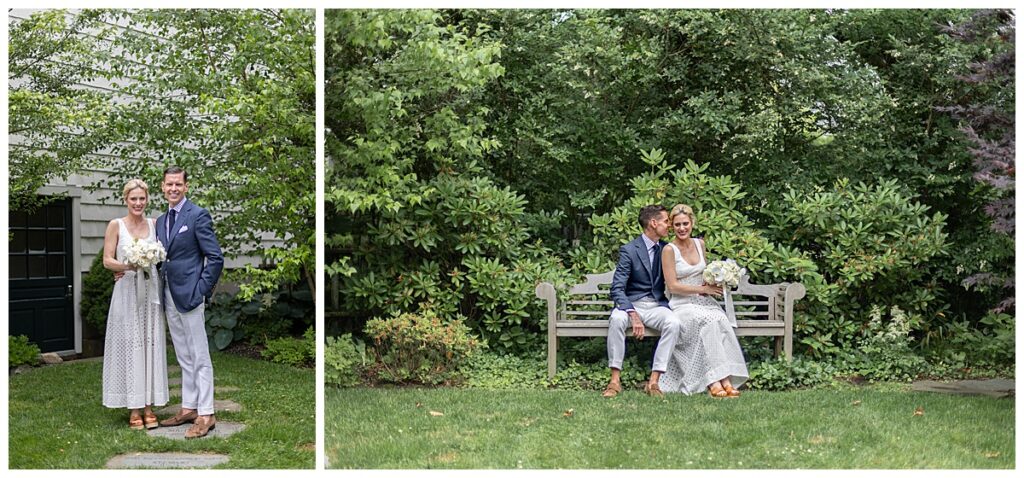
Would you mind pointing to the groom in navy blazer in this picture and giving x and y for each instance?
(190, 272)
(638, 290)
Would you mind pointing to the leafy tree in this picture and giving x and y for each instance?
(53, 125)
(228, 95)
(986, 112)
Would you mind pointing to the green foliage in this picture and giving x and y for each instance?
(20, 351)
(784, 375)
(344, 361)
(809, 143)
(415, 224)
(297, 352)
(991, 345)
(506, 371)
(97, 287)
(873, 245)
(53, 124)
(267, 316)
(222, 320)
(885, 352)
(419, 348)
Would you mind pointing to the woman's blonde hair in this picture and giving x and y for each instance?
(134, 184)
(683, 209)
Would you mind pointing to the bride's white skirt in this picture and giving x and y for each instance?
(707, 350)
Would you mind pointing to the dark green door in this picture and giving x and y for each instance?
(40, 276)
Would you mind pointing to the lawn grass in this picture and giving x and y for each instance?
(845, 427)
(56, 419)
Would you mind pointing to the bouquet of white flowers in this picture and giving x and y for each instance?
(726, 274)
(144, 255)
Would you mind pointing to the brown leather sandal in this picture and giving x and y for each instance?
(716, 391)
(612, 390)
(731, 392)
(150, 421)
(135, 422)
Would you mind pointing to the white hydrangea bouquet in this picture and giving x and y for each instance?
(144, 255)
(727, 275)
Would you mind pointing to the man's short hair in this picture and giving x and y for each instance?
(175, 170)
(650, 212)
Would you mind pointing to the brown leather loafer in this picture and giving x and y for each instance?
(201, 428)
(179, 419)
(653, 390)
(611, 390)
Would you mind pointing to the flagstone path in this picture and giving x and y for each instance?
(222, 430)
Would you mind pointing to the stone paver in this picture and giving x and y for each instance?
(166, 460)
(222, 430)
(998, 388)
(174, 369)
(174, 381)
(218, 406)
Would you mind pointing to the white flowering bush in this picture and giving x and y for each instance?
(886, 349)
(144, 255)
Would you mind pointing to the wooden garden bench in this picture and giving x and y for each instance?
(761, 310)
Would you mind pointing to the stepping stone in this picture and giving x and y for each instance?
(174, 381)
(222, 430)
(999, 388)
(167, 460)
(218, 406)
(173, 369)
(176, 392)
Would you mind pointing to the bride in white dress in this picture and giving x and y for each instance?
(135, 349)
(707, 355)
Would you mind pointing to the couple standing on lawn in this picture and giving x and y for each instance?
(135, 356)
(660, 285)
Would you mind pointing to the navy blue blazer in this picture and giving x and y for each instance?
(194, 260)
(635, 277)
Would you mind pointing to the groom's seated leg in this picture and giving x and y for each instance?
(666, 321)
(617, 324)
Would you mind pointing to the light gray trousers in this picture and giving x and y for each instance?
(654, 316)
(192, 348)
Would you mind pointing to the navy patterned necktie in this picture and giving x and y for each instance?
(170, 223)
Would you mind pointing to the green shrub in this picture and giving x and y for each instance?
(344, 360)
(461, 251)
(506, 371)
(20, 351)
(990, 345)
(292, 351)
(779, 374)
(419, 348)
(852, 230)
(97, 287)
(285, 311)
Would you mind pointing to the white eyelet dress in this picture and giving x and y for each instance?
(707, 350)
(135, 348)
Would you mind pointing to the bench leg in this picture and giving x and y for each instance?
(778, 346)
(552, 356)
